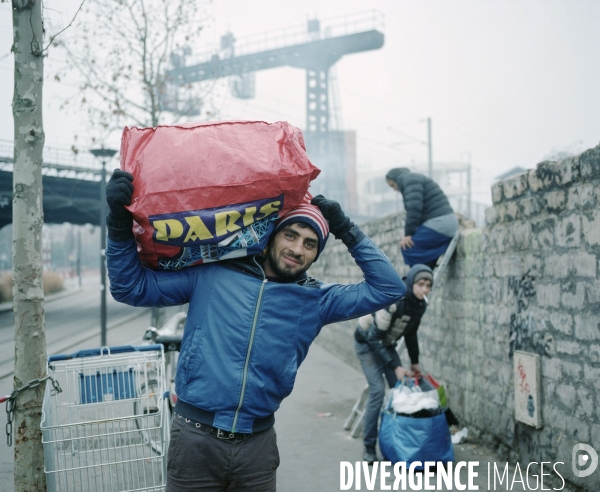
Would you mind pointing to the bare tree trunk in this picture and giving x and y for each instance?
(28, 297)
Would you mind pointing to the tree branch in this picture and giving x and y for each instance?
(63, 30)
(121, 55)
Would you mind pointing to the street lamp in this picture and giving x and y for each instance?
(104, 155)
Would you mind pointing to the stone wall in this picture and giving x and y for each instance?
(527, 281)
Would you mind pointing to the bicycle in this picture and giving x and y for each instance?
(169, 336)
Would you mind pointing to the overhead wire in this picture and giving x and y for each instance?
(461, 132)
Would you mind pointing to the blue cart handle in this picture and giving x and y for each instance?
(105, 350)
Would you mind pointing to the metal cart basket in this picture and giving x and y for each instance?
(107, 430)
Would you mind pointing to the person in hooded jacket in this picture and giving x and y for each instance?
(375, 342)
(430, 221)
(250, 323)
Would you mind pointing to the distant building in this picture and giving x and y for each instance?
(375, 198)
(334, 153)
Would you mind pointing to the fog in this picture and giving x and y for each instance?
(506, 84)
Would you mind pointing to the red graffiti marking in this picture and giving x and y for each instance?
(523, 384)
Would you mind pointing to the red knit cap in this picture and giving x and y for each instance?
(310, 215)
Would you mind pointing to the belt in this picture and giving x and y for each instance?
(207, 418)
(220, 433)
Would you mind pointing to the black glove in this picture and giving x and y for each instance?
(119, 220)
(118, 194)
(339, 224)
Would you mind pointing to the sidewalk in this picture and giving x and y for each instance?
(311, 436)
(71, 286)
(310, 429)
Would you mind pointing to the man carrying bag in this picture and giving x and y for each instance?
(249, 326)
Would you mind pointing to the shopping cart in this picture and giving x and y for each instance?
(107, 430)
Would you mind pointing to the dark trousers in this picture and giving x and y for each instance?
(429, 245)
(198, 460)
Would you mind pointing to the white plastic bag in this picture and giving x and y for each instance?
(408, 401)
(460, 436)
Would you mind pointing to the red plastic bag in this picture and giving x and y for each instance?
(212, 191)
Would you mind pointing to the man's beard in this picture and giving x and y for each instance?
(283, 274)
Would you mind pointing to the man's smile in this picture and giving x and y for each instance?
(290, 260)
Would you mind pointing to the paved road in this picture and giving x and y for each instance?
(72, 318)
(72, 324)
(312, 440)
(309, 424)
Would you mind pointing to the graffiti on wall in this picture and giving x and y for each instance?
(527, 388)
(527, 333)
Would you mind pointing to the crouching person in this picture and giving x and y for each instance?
(249, 326)
(375, 344)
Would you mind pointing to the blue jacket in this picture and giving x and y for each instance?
(245, 337)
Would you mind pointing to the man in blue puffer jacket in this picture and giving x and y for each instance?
(250, 323)
(430, 221)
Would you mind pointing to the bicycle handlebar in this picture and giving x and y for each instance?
(171, 343)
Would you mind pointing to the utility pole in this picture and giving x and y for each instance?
(79, 255)
(469, 188)
(104, 155)
(24, 420)
(429, 151)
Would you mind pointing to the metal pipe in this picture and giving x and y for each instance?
(103, 255)
(103, 154)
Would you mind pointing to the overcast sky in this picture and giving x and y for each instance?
(508, 82)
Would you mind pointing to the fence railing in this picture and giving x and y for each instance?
(295, 35)
(57, 160)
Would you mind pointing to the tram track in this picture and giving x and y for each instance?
(71, 320)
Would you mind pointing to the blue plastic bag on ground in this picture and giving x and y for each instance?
(410, 439)
(422, 436)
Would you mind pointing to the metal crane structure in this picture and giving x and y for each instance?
(314, 48)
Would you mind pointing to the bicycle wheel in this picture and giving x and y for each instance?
(148, 415)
